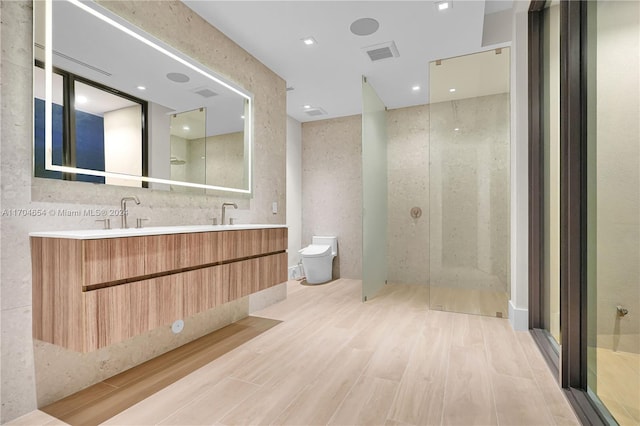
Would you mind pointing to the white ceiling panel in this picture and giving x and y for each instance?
(327, 75)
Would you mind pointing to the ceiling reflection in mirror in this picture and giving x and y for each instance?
(112, 104)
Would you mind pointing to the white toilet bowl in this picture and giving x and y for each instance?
(317, 259)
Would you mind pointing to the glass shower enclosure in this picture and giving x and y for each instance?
(374, 192)
(469, 172)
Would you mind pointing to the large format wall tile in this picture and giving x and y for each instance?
(332, 185)
(332, 188)
(469, 193)
(408, 179)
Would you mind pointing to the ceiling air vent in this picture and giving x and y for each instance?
(205, 92)
(382, 51)
(69, 58)
(315, 111)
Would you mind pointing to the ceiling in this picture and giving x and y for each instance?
(328, 74)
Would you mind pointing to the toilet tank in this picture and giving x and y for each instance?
(330, 241)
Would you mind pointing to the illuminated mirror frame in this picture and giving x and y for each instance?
(183, 59)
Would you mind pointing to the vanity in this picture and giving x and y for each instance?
(95, 288)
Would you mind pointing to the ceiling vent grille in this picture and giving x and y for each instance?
(315, 111)
(382, 51)
(205, 92)
(69, 58)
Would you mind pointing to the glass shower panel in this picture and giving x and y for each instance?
(551, 177)
(613, 211)
(469, 183)
(374, 193)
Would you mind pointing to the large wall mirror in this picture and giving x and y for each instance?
(114, 105)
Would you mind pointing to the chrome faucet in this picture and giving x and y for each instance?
(123, 209)
(224, 210)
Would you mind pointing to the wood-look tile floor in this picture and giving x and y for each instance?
(108, 398)
(470, 301)
(390, 361)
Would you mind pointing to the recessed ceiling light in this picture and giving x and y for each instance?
(443, 5)
(456, 129)
(415, 88)
(142, 88)
(81, 99)
(309, 41)
(186, 128)
(452, 90)
(306, 106)
(242, 117)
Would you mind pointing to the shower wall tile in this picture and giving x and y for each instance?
(469, 193)
(34, 373)
(408, 180)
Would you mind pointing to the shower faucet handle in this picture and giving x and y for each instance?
(622, 311)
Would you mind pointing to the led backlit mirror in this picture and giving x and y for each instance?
(114, 105)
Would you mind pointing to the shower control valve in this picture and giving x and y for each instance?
(622, 311)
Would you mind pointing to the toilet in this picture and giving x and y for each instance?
(317, 259)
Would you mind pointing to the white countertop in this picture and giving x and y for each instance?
(94, 234)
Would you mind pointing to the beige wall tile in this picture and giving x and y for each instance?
(469, 193)
(332, 188)
(408, 177)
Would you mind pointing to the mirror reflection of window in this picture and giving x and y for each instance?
(95, 129)
(39, 123)
(108, 133)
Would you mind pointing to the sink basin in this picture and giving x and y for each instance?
(92, 234)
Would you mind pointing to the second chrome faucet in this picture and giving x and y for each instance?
(224, 210)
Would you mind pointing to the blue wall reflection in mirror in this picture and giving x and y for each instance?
(89, 142)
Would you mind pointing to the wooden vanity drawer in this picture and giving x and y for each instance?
(112, 259)
(86, 295)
